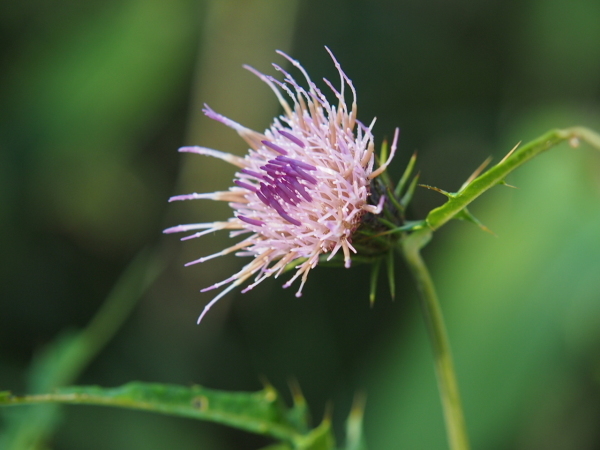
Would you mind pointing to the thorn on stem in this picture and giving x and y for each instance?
(476, 173)
(511, 152)
(504, 183)
(441, 191)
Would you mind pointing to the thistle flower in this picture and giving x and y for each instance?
(301, 190)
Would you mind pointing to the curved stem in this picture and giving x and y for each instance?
(448, 386)
(412, 244)
(496, 175)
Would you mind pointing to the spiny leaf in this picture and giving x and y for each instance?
(260, 412)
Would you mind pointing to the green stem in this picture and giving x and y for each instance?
(411, 247)
(448, 386)
(496, 175)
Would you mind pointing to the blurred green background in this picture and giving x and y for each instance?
(95, 99)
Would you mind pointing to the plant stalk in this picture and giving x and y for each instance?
(448, 387)
(496, 174)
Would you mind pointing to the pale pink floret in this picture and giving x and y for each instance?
(301, 190)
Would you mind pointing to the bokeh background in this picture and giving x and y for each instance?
(95, 99)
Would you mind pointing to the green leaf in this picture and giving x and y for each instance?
(261, 412)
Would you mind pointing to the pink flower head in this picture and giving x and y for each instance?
(301, 190)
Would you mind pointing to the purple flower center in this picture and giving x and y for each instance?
(285, 180)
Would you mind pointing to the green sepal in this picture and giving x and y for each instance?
(355, 436)
(393, 198)
(390, 273)
(407, 197)
(373, 283)
(299, 415)
(320, 438)
(387, 223)
(383, 155)
(406, 175)
(409, 225)
(336, 261)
